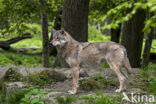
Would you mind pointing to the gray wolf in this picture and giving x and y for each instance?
(78, 54)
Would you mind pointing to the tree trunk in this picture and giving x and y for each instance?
(75, 22)
(75, 19)
(146, 55)
(115, 34)
(132, 37)
(45, 40)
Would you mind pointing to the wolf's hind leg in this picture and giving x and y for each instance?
(116, 69)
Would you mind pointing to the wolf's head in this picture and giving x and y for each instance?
(59, 37)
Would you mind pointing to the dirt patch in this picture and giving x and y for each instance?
(133, 82)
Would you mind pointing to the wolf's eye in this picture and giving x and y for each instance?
(57, 39)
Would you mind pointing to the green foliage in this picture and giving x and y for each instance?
(152, 78)
(11, 75)
(43, 78)
(30, 95)
(17, 12)
(15, 98)
(152, 85)
(105, 82)
(100, 7)
(95, 35)
(34, 96)
(105, 65)
(99, 98)
(67, 100)
(97, 82)
(19, 59)
(46, 77)
(148, 76)
(7, 58)
(104, 100)
(88, 84)
(125, 11)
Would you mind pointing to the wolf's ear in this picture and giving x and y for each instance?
(53, 30)
(62, 30)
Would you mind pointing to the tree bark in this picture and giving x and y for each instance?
(115, 34)
(75, 19)
(146, 54)
(132, 37)
(45, 40)
(75, 22)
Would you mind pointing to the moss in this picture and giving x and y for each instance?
(41, 78)
(57, 76)
(46, 77)
(105, 82)
(96, 82)
(10, 76)
(88, 84)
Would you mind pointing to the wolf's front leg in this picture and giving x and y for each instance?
(75, 80)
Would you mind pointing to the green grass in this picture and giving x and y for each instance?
(7, 59)
(87, 99)
(148, 76)
(34, 42)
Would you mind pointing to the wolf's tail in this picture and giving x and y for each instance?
(127, 64)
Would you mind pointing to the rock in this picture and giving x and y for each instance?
(135, 91)
(46, 77)
(52, 94)
(83, 73)
(57, 76)
(3, 71)
(89, 84)
(13, 87)
(10, 76)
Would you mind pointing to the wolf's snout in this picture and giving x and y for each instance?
(53, 42)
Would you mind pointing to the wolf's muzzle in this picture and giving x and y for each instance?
(53, 42)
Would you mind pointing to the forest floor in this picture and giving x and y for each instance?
(90, 86)
(108, 75)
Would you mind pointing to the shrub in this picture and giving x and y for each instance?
(95, 35)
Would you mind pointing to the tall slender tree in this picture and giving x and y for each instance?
(45, 40)
(146, 54)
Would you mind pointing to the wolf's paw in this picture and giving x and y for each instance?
(118, 90)
(71, 92)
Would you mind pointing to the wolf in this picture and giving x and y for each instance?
(78, 54)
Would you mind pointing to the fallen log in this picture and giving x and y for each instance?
(5, 45)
